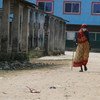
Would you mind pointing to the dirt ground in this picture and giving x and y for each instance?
(53, 83)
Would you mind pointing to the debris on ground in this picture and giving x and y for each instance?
(32, 90)
(52, 87)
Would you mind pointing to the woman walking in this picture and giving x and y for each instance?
(83, 47)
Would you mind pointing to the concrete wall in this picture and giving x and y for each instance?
(46, 32)
(30, 29)
(84, 17)
(75, 20)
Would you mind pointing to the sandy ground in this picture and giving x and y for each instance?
(53, 83)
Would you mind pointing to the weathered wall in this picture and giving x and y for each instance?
(36, 37)
(30, 29)
(5, 26)
(56, 36)
(0, 32)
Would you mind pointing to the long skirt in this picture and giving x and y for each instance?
(81, 55)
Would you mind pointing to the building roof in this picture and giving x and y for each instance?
(35, 6)
(28, 3)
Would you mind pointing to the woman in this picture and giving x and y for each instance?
(83, 46)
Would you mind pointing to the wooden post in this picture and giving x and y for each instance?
(16, 27)
(61, 36)
(31, 30)
(46, 35)
(25, 30)
(55, 35)
(64, 35)
(0, 31)
(41, 31)
(51, 36)
(5, 26)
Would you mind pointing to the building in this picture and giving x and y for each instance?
(23, 27)
(76, 12)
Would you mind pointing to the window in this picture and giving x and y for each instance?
(98, 36)
(96, 8)
(70, 35)
(45, 5)
(92, 36)
(72, 7)
(1, 3)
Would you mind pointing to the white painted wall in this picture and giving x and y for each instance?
(71, 35)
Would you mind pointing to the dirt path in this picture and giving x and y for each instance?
(53, 83)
